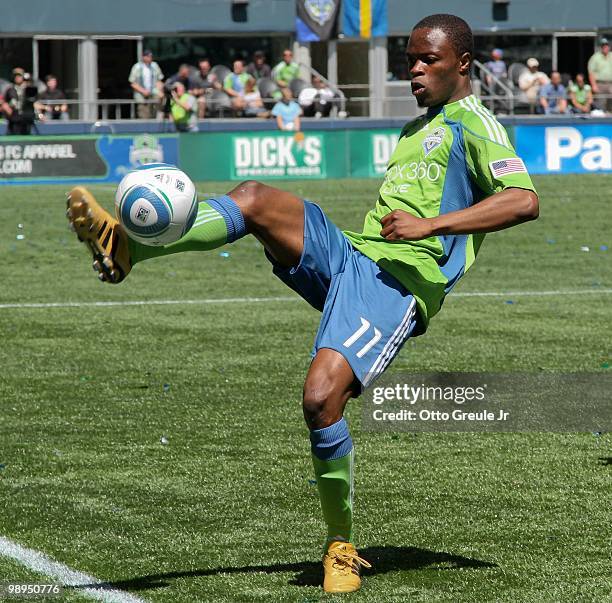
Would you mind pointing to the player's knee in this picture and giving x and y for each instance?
(250, 195)
(319, 403)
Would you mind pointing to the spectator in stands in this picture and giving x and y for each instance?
(5, 109)
(531, 81)
(497, 76)
(234, 85)
(496, 66)
(287, 112)
(316, 100)
(286, 70)
(50, 102)
(600, 74)
(258, 67)
(19, 106)
(183, 107)
(253, 104)
(146, 80)
(581, 95)
(553, 96)
(205, 83)
(184, 75)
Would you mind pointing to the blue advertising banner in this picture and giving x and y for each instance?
(559, 149)
(80, 159)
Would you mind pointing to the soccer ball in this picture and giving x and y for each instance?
(156, 204)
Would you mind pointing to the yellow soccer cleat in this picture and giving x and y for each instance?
(341, 566)
(105, 237)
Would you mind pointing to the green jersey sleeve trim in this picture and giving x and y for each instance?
(472, 110)
(485, 138)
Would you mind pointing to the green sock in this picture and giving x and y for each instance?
(208, 231)
(335, 484)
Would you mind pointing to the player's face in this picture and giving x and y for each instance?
(437, 72)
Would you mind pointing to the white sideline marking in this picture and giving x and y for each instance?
(152, 302)
(285, 298)
(39, 562)
(528, 293)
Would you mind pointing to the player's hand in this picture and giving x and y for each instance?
(401, 226)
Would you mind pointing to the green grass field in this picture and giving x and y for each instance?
(225, 510)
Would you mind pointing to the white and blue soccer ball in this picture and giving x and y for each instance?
(156, 203)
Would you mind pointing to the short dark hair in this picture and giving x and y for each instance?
(458, 32)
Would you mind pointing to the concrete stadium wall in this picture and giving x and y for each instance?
(527, 15)
(142, 17)
(166, 17)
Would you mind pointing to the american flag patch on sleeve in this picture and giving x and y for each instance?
(503, 167)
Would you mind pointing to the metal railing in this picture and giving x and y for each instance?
(491, 84)
(509, 102)
(340, 106)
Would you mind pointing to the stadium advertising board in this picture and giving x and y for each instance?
(572, 149)
(371, 151)
(55, 159)
(276, 155)
(267, 155)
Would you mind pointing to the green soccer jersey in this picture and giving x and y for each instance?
(445, 161)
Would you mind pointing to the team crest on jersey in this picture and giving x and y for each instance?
(434, 140)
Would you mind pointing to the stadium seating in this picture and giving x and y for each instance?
(221, 72)
(297, 85)
(268, 89)
(219, 104)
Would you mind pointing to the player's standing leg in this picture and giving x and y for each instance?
(329, 385)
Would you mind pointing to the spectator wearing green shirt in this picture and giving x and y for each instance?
(183, 107)
(235, 84)
(286, 70)
(581, 95)
(600, 74)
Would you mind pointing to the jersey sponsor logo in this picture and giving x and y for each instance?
(415, 170)
(504, 167)
(433, 140)
(399, 176)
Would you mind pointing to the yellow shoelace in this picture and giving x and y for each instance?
(346, 561)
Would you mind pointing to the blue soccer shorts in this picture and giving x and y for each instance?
(367, 313)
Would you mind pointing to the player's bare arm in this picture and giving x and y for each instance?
(504, 209)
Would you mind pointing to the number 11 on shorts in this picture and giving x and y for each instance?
(365, 325)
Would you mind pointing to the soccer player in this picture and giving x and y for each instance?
(453, 177)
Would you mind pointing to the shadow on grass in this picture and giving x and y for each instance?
(384, 559)
(605, 460)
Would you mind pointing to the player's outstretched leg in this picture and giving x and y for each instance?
(329, 384)
(275, 217)
(105, 237)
